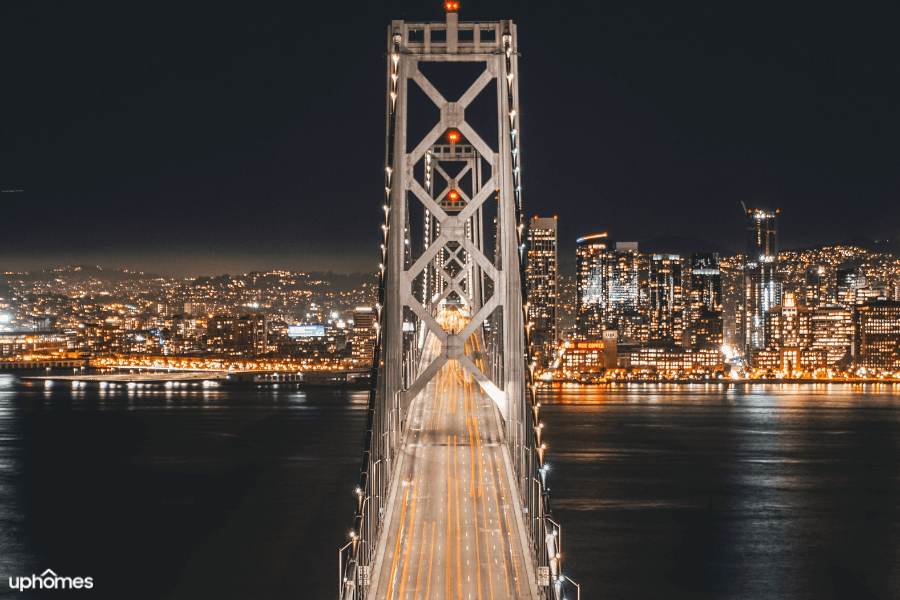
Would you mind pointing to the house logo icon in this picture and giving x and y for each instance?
(48, 580)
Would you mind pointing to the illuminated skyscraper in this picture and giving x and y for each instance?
(609, 288)
(706, 300)
(364, 320)
(589, 284)
(816, 286)
(832, 331)
(788, 325)
(666, 299)
(762, 290)
(848, 281)
(622, 309)
(541, 278)
(878, 336)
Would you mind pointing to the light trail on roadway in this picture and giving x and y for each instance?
(452, 532)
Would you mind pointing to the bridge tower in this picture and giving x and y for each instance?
(453, 239)
(454, 261)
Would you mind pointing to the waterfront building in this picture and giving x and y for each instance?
(364, 321)
(878, 335)
(789, 361)
(541, 284)
(666, 308)
(762, 289)
(579, 357)
(705, 304)
(677, 360)
(832, 330)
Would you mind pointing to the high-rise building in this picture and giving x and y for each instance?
(706, 300)
(364, 335)
(788, 325)
(832, 331)
(541, 284)
(816, 286)
(878, 335)
(666, 309)
(732, 303)
(762, 289)
(849, 280)
(590, 261)
(608, 288)
(623, 309)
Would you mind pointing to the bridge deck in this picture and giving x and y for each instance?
(453, 526)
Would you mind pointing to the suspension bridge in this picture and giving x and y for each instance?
(452, 499)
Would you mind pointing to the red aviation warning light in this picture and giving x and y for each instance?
(453, 137)
(451, 6)
(453, 195)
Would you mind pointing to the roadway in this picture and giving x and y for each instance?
(452, 524)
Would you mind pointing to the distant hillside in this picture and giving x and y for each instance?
(83, 273)
(887, 246)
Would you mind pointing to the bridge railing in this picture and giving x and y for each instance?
(382, 424)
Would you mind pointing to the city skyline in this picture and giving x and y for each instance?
(698, 330)
(149, 140)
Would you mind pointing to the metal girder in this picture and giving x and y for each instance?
(454, 232)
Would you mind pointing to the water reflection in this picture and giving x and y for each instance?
(728, 491)
(194, 491)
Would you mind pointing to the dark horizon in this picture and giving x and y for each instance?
(209, 139)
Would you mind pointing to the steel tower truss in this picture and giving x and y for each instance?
(455, 262)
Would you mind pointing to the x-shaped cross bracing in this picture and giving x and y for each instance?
(452, 229)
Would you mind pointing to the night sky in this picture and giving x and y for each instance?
(190, 138)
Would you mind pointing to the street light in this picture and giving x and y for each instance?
(537, 500)
(578, 587)
(341, 568)
(558, 533)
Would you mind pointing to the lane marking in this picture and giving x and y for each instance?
(430, 561)
(458, 536)
(409, 541)
(399, 539)
(449, 554)
(500, 523)
(477, 548)
(512, 550)
(421, 556)
(487, 548)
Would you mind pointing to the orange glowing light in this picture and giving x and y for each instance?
(589, 345)
(453, 195)
(453, 137)
(451, 6)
